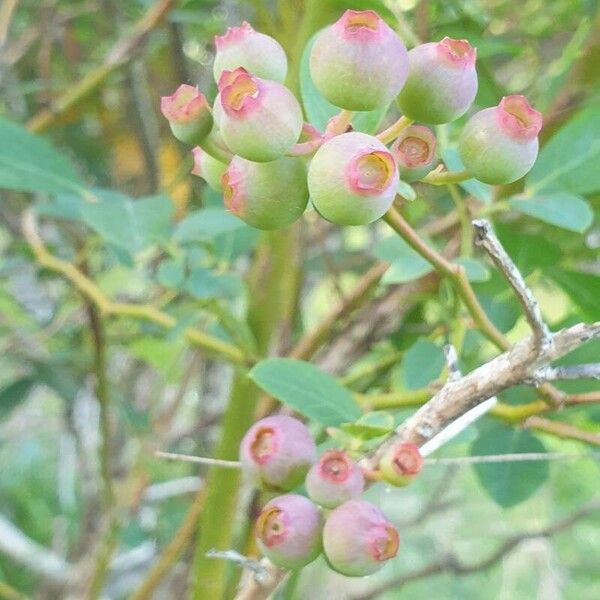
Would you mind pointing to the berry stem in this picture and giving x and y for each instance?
(454, 272)
(212, 145)
(446, 177)
(394, 130)
(339, 123)
(466, 239)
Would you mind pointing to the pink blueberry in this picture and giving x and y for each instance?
(209, 168)
(266, 195)
(358, 539)
(277, 452)
(188, 113)
(401, 463)
(258, 53)
(499, 145)
(260, 120)
(289, 531)
(334, 479)
(359, 63)
(414, 151)
(441, 83)
(352, 179)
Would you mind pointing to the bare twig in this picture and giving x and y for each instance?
(452, 362)
(485, 238)
(213, 462)
(589, 371)
(260, 571)
(507, 370)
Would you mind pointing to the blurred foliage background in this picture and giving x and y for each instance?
(86, 76)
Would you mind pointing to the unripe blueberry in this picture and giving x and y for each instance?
(256, 52)
(261, 119)
(334, 479)
(188, 113)
(414, 151)
(499, 145)
(359, 63)
(289, 531)
(358, 539)
(442, 81)
(266, 195)
(209, 168)
(277, 452)
(352, 179)
(401, 463)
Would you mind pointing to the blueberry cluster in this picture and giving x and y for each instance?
(255, 148)
(278, 454)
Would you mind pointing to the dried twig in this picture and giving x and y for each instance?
(485, 238)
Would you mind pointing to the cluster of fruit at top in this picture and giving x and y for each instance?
(279, 454)
(254, 146)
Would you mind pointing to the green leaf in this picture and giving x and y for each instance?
(559, 208)
(475, 269)
(481, 191)
(171, 273)
(372, 425)
(406, 264)
(205, 224)
(582, 288)
(13, 394)
(319, 111)
(569, 161)
(29, 163)
(205, 283)
(422, 364)
(509, 483)
(307, 390)
(129, 224)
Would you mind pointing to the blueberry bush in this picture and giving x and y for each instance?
(300, 300)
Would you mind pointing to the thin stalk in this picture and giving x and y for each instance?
(446, 177)
(454, 272)
(466, 238)
(394, 130)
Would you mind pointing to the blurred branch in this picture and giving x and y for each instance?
(107, 307)
(563, 430)
(452, 564)
(39, 560)
(170, 555)
(120, 54)
(356, 297)
(6, 12)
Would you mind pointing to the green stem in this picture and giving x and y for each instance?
(109, 540)
(273, 285)
(454, 272)
(394, 130)
(446, 177)
(466, 239)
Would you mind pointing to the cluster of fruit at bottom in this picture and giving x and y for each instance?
(254, 146)
(355, 537)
